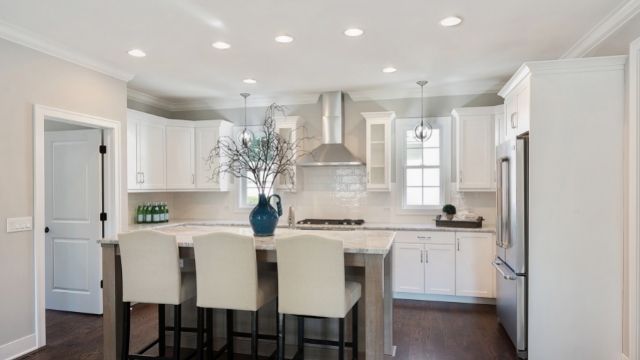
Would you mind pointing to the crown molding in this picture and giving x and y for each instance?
(563, 66)
(451, 89)
(33, 41)
(467, 88)
(602, 30)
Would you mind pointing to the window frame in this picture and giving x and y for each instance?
(403, 125)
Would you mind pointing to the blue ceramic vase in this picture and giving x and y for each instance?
(264, 218)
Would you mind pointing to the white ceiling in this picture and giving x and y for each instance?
(495, 38)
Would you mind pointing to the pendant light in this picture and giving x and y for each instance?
(246, 136)
(424, 129)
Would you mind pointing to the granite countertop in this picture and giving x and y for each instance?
(487, 228)
(356, 242)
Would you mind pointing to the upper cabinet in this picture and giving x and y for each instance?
(378, 147)
(207, 134)
(476, 147)
(517, 105)
(146, 151)
(287, 127)
(172, 155)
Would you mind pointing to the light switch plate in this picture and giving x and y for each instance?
(19, 224)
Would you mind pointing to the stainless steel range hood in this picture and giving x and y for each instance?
(332, 152)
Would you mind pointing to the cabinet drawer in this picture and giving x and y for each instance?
(427, 237)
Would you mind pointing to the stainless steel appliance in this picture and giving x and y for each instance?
(512, 242)
(330, 224)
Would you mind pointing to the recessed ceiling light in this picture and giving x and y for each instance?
(221, 45)
(389, 69)
(137, 53)
(451, 21)
(284, 39)
(249, 81)
(354, 32)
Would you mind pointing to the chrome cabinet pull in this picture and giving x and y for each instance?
(420, 237)
(142, 177)
(426, 256)
(458, 244)
(421, 256)
(193, 178)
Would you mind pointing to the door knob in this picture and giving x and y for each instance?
(46, 230)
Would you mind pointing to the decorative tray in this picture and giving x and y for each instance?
(463, 224)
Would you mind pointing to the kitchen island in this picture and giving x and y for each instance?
(366, 251)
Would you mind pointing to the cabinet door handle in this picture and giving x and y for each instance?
(193, 179)
(426, 256)
(458, 244)
(421, 256)
(142, 177)
(514, 120)
(420, 237)
(460, 176)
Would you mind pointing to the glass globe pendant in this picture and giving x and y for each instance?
(246, 136)
(424, 129)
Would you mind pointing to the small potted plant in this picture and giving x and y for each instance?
(449, 211)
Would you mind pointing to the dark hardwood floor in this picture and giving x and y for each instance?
(422, 331)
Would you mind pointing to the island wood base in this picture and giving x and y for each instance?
(376, 320)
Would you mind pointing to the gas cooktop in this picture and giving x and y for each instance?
(332, 222)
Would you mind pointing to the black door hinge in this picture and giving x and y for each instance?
(103, 216)
(103, 149)
(101, 284)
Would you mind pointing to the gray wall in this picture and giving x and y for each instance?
(28, 77)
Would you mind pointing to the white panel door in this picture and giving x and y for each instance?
(151, 142)
(408, 270)
(72, 209)
(206, 139)
(440, 269)
(133, 159)
(180, 158)
(475, 275)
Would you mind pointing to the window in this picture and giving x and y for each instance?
(423, 166)
(249, 193)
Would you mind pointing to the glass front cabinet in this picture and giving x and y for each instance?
(378, 144)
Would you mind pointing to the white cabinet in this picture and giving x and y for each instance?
(424, 263)
(475, 148)
(287, 127)
(475, 276)
(171, 155)
(408, 273)
(207, 134)
(517, 101)
(440, 269)
(146, 151)
(378, 149)
(180, 139)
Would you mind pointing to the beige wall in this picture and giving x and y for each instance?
(28, 77)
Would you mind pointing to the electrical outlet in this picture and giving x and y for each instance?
(19, 224)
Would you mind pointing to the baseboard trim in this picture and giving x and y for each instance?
(18, 347)
(444, 298)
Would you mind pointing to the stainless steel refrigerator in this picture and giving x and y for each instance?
(512, 243)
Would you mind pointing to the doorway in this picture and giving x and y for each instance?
(77, 191)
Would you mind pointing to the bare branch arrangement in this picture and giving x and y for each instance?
(267, 157)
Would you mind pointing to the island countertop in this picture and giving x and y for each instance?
(355, 242)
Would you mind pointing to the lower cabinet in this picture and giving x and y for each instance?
(444, 263)
(475, 276)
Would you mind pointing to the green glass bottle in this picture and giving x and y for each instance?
(156, 213)
(147, 214)
(139, 215)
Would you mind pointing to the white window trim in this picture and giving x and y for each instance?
(446, 143)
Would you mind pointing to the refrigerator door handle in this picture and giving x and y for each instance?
(499, 267)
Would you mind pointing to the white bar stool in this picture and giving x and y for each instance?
(311, 283)
(151, 274)
(227, 278)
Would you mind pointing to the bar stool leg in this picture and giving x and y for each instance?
(281, 330)
(177, 332)
(126, 328)
(341, 339)
(301, 336)
(209, 333)
(230, 334)
(162, 340)
(254, 335)
(200, 334)
(354, 332)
